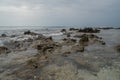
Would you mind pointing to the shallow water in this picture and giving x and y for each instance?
(104, 55)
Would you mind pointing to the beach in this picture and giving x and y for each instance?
(60, 54)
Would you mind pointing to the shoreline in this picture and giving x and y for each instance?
(74, 54)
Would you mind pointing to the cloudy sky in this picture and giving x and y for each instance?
(60, 12)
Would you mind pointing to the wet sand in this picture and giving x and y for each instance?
(60, 54)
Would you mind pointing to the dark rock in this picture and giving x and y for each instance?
(29, 33)
(64, 39)
(73, 29)
(84, 39)
(74, 40)
(68, 35)
(103, 43)
(3, 49)
(106, 28)
(93, 36)
(69, 41)
(63, 30)
(89, 30)
(77, 36)
(3, 35)
(40, 37)
(117, 48)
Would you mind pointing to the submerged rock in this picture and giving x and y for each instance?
(78, 48)
(87, 65)
(3, 49)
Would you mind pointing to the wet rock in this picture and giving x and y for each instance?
(46, 45)
(67, 52)
(3, 49)
(102, 42)
(77, 36)
(13, 36)
(106, 28)
(69, 41)
(87, 35)
(18, 45)
(29, 33)
(84, 64)
(44, 48)
(40, 37)
(32, 63)
(68, 35)
(73, 29)
(117, 48)
(63, 30)
(93, 36)
(29, 40)
(89, 30)
(3, 35)
(78, 48)
(84, 39)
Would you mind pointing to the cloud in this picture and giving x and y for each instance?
(60, 12)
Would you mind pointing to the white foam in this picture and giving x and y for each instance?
(55, 34)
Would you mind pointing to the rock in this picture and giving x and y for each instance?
(3, 35)
(103, 43)
(78, 48)
(13, 36)
(93, 36)
(86, 35)
(3, 49)
(68, 35)
(84, 64)
(89, 30)
(29, 40)
(64, 39)
(47, 45)
(32, 63)
(73, 29)
(77, 36)
(84, 39)
(67, 52)
(74, 40)
(117, 48)
(63, 30)
(29, 33)
(40, 37)
(69, 41)
(106, 28)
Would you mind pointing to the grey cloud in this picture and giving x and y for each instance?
(60, 12)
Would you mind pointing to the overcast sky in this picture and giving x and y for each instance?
(60, 12)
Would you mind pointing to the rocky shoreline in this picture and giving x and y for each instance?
(34, 56)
